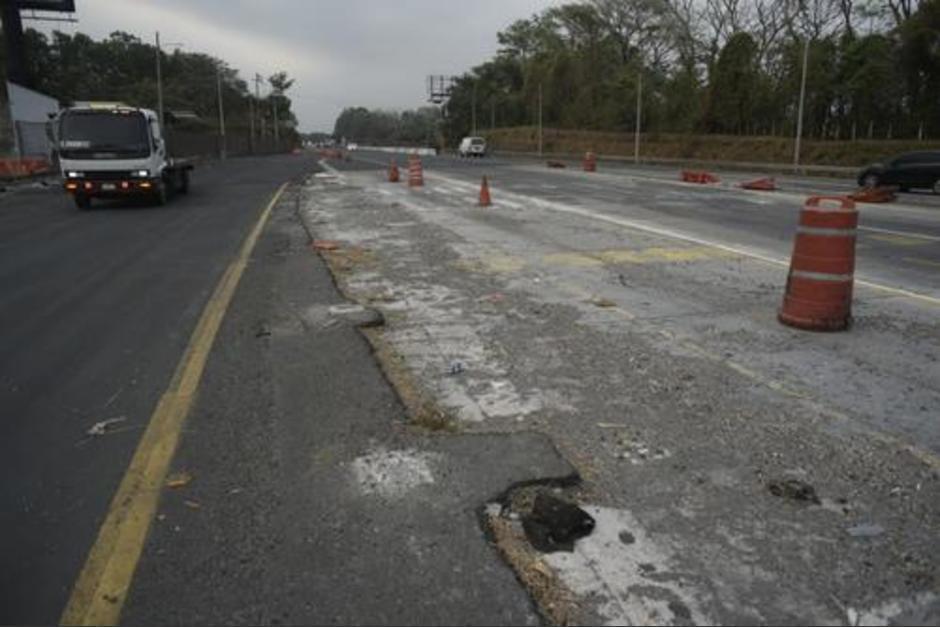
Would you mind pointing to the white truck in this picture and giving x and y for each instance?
(111, 150)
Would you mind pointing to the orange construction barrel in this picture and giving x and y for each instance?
(818, 295)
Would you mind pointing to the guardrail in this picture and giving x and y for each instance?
(745, 166)
(424, 152)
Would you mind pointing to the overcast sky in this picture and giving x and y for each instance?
(373, 53)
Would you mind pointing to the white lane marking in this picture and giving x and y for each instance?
(670, 233)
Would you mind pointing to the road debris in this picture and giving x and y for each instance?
(179, 480)
(793, 489)
(102, 427)
(554, 524)
(192, 504)
(325, 244)
(358, 315)
(456, 368)
(603, 303)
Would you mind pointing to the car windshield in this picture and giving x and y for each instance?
(104, 131)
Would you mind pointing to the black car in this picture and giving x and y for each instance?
(908, 171)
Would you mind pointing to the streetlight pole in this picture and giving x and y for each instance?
(258, 98)
(474, 107)
(274, 96)
(218, 84)
(639, 111)
(159, 85)
(799, 115)
(540, 119)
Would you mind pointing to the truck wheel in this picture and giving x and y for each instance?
(159, 196)
(82, 202)
(184, 182)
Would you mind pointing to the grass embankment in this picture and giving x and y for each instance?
(727, 148)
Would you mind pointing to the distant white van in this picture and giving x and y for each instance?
(472, 147)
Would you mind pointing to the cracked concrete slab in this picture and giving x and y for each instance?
(680, 399)
(317, 502)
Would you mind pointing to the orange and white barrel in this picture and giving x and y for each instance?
(415, 172)
(818, 295)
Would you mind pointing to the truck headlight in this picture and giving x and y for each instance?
(143, 174)
(74, 175)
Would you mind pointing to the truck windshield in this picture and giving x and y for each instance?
(104, 134)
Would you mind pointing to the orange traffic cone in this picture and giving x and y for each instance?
(393, 172)
(485, 193)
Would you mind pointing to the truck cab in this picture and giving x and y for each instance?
(111, 150)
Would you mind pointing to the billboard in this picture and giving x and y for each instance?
(60, 6)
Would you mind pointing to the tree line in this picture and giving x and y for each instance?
(713, 66)
(121, 68)
(373, 126)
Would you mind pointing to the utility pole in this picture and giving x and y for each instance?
(474, 107)
(493, 114)
(15, 50)
(799, 115)
(540, 119)
(218, 85)
(639, 111)
(251, 120)
(159, 86)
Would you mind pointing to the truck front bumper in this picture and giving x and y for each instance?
(111, 188)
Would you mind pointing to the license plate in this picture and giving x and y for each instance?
(108, 187)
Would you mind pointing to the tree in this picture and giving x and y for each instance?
(733, 86)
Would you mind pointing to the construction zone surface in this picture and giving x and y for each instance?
(634, 321)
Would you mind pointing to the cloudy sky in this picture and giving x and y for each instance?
(374, 53)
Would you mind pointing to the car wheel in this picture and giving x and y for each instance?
(870, 180)
(936, 186)
(82, 202)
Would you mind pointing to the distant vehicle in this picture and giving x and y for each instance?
(352, 146)
(111, 150)
(472, 147)
(914, 170)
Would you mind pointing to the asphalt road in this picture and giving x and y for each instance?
(899, 243)
(95, 310)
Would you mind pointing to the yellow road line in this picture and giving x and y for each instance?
(923, 262)
(900, 240)
(103, 584)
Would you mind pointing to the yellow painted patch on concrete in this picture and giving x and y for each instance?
(657, 254)
(494, 264)
(899, 240)
(575, 260)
